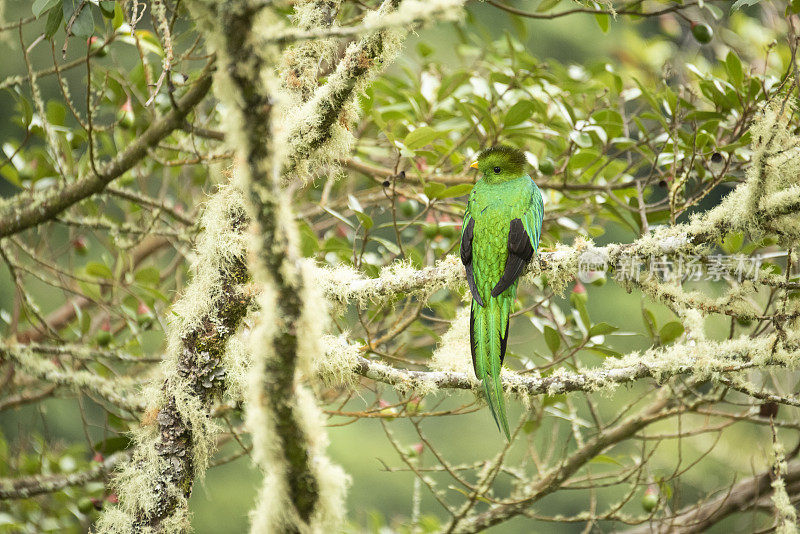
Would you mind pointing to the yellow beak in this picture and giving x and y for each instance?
(474, 165)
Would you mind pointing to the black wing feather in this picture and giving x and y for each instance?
(504, 342)
(520, 252)
(472, 339)
(466, 259)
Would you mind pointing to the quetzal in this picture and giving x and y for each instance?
(499, 236)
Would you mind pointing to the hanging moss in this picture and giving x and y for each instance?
(170, 454)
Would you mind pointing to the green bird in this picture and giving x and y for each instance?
(499, 236)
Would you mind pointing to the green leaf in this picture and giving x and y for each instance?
(336, 244)
(149, 276)
(604, 459)
(149, 38)
(552, 400)
(84, 320)
(451, 83)
(25, 109)
(605, 351)
(602, 21)
(649, 322)
(119, 16)
(83, 25)
(665, 488)
(546, 5)
(424, 49)
(391, 247)
(610, 120)
(518, 113)
(499, 77)
(308, 239)
(552, 339)
(456, 191)
(339, 216)
(704, 115)
(531, 426)
(420, 137)
(53, 23)
(732, 242)
(734, 67)
(56, 113)
(90, 290)
(40, 6)
(582, 311)
(147, 41)
(582, 139)
(670, 332)
(582, 158)
(108, 8)
(155, 294)
(434, 190)
(739, 4)
(99, 270)
(365, 220)
(601, 329)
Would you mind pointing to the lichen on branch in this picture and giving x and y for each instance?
(173, 445)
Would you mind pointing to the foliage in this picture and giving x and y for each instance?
(124, 311)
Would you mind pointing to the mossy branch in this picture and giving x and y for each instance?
(173, 446)
(119, 392)
(296, 495)
(316, 123)
(28, 210)
(411, 13)
(26, 487)
(709, 360)
(344, 284)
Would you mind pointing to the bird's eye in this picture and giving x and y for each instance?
(497, 170)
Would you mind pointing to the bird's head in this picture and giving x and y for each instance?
(500, 163)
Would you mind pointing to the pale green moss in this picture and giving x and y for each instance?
(785, 512)
(143, 484)
(334, 367)
(453, 353)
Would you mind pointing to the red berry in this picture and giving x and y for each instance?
(104, 336)
(144, 315)
(80, 246)
(125, 115)
(97, 46)
(702, 33)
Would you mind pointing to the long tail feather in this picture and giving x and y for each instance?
(488, 333)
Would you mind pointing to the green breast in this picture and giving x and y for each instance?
(493, 206)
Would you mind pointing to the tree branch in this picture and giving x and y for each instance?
(26, 487)
(742, 496)
(173, 450)
(716, 357)
(28, 210)
(277, 414)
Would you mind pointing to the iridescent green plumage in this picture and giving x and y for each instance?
(499, 236)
